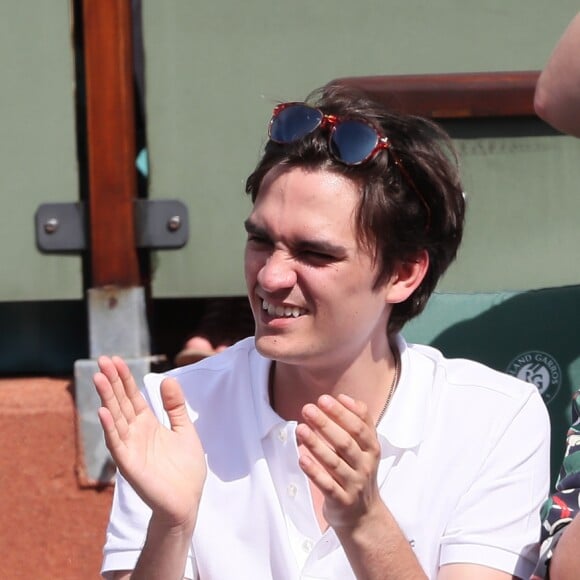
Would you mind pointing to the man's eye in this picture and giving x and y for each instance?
(258, 240)
(319, 257)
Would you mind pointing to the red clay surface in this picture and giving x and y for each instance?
(50, 526)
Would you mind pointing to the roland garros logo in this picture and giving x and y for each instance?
(539, 368)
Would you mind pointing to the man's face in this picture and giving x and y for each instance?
(310, 283)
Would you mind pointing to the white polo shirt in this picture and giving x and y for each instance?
(464, 469)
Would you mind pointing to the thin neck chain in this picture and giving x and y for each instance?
(392, 388)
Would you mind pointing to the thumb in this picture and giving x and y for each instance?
(174, 404)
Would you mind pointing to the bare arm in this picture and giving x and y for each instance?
(377, 548)
(565, 562)
(166, 467)
(557, 96)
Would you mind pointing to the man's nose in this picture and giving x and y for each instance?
(277, 272)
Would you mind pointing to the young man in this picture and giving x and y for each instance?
(557, 101)
(326, 446)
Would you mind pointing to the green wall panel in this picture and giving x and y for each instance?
(523, 194)
(38, 161)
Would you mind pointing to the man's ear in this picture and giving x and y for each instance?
(406, 277)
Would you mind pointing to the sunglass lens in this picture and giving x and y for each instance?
(294, 122)
(352, 141)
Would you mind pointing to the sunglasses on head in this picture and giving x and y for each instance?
(350, 141)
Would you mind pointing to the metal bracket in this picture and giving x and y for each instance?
(159, 225)
(60, 227)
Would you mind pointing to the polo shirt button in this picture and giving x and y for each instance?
(307, 546)
(292, 490)
(282, 435)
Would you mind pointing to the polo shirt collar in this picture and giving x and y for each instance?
(403, 425)
(266, 417)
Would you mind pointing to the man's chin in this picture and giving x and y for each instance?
(276, 348)
(268, 345)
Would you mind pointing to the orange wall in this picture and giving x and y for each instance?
(50, 526)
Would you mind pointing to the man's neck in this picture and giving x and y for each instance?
(293, 386)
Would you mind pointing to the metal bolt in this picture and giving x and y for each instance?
(51, 225)
(174, 223)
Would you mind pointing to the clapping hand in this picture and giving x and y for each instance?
(165, 466)
(342, 458)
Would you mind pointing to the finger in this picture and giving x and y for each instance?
(130, 399)
(110, 402)
(108, 367)
(103, 388)
(174, 404)
(352, 416)
(112, 439)
(130, 386)
(328, 460)
(322, 479)
(356, 407)
(324, 421)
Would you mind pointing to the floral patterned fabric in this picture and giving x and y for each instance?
(560, 509)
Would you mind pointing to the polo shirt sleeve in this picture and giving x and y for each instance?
(496, 522)
(130, 516)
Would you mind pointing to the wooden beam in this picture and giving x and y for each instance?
(453, 96)
(111, 145)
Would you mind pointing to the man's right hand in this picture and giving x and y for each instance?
(166, 467)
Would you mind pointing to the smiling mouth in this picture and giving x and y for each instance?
(282, 311)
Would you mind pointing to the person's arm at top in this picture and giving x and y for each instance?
(557, 95)
(346, 473)
(166, 467)
(565, 562)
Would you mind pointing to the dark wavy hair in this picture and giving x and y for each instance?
(392, 219)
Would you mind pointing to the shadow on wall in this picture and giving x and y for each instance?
(534, 335)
